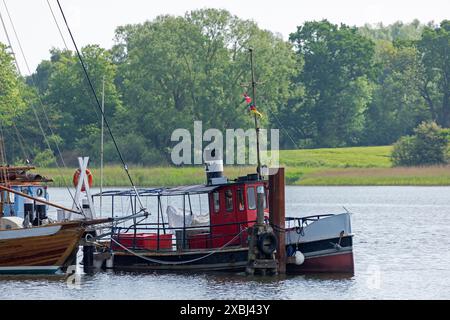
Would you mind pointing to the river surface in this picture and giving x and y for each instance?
(401, 251)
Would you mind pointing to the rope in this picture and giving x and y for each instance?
(57, 25)
(21, 143)
(43, 108)
(9, 42)
(179, 262)
(285, 130)
(3, 159)
(80, 58)
(278, 228)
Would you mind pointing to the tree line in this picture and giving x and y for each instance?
(329, 85)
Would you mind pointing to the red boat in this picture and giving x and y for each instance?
(244, 226)
(183, 238)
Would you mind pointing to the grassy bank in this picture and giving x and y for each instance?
(344, 166)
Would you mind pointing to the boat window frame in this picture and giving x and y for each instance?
(240, 199)
(229, 200)
(216, 201)
(266, 198)
(249, 198)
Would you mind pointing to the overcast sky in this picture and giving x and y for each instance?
(94, 21)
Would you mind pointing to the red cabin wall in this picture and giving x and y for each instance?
(236, 219)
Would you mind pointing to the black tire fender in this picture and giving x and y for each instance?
(267, 243)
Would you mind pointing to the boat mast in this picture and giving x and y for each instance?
(98, 105)
(101, 147)
(255, 115)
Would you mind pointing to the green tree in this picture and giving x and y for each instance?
(13, 93)
(68, 99)
(336, 79)
(398, 31)
(177, 70)
(434, 49)
(11, 100)
(397, 106)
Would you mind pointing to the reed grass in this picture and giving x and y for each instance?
(343, 166)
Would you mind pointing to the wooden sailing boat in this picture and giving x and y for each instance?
(29, 241)
(37, 250)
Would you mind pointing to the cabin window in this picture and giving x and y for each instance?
(229, 200)
(266, 199)
(241, 205)
(216, 200)
(251, 198)
(12, 197)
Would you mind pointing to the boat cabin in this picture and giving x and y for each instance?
(233, 209)
(34, 185)
(181, 224)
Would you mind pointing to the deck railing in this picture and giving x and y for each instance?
(182, 238)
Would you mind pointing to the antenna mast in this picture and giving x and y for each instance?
(256, 117)
(102, 145)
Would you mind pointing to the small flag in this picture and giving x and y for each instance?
(247, 99)
(251, 107)
(255, 111)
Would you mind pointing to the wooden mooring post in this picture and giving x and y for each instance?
(277, 214)
(88, 258)
(262, 235)
(261, 260)
(88, 253)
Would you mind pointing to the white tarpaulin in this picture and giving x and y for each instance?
(176, 218)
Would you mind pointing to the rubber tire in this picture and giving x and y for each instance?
(267, 250)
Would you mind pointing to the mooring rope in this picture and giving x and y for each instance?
(179, 262)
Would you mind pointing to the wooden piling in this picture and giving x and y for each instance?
(277, 214)
(88, 258)
(88, 252)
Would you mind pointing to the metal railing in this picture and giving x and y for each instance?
(182, 238)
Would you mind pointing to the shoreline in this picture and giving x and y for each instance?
(356, 166)
(295, 176)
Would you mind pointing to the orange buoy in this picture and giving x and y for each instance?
(76, 177)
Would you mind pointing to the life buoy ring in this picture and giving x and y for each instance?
(76, 177)
(267, 243)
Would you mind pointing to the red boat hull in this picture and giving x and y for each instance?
(326, 263)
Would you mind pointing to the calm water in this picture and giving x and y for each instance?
(401, 249)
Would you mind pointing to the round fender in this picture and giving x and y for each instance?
(267, 243)
(299, 258)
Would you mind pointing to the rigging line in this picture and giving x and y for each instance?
(9, 42)
(21, 142)
(3, 157)
(38, 96)
(162, 262)
(57, 25)
(67, 48)
(18, 69)
(42, 105)
(285, 130)
(34, 84)
(125, 166)
(3, 146)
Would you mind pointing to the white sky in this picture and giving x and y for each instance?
(94, 21)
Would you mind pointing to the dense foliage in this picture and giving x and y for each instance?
(328, 86)
(428, 146)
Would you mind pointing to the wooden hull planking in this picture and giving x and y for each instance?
(45, 253)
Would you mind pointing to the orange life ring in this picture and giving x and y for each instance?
(76, 177)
